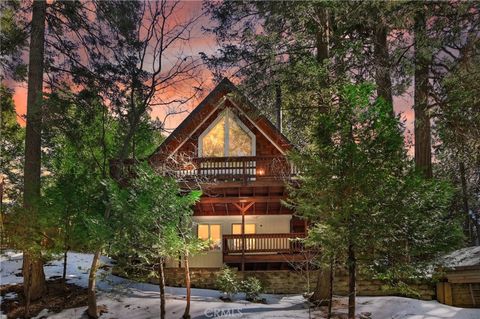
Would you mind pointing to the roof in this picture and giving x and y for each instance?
(224, 89)
(465, 257)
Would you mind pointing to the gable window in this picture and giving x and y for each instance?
(212, 233)
(226, 136)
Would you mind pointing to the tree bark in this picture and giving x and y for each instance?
(278, 105)
(466, 209)
(423, 152)
(186, 314)
(34, 277)
(382, 72)
(92, 310)
(161, 283)
(352, 268)
(64, 275)
(330, 292)
(322, 34)
(321, 293)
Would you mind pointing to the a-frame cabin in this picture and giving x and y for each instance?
(238, 158)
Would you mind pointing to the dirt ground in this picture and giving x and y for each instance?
(56, 299)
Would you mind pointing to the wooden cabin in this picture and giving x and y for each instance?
(238, 158)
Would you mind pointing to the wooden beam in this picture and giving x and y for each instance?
(237, 259)
(256, 199)
(243, 207)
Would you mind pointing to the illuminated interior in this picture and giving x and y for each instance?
(237, 229)
(227, 138)
(249, 229)
(210, 232)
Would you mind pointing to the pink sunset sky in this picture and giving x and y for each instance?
(201, 41)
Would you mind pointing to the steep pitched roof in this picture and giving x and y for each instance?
(225, 89)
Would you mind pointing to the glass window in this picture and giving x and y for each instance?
(240, 143)
(227, 138)
(210, 232)
(249, 242)
(214, 141)
(237, 229)
(203, 232)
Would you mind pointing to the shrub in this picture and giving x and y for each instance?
(227, 282)
(252, 288)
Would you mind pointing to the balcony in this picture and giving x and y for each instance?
(231, 169)
(246, 248)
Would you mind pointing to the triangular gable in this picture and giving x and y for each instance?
(224, 91)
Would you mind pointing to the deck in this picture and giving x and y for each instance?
(248, 248)
(230, 169)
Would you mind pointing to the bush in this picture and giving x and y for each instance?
(252, 288)
(227, 282)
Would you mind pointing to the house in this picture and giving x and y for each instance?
(238, 158)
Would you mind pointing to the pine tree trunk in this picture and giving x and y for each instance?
(330, 292)
(278, 105)
(352, 268)
(321, 293)
(322, 34)
(64, 275)
(34, 277)
(466, 209)
(186, 314)
(92, 276)
(423, 152)
(382, 72)
(161, 283)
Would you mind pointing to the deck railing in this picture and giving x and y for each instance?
(263, 243)
(245, 168)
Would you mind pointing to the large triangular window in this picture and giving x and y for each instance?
(226, 136)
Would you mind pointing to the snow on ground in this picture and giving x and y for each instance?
(469, 256)
(126, 299)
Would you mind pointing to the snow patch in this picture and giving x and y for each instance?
(127, 299)
(469, 256)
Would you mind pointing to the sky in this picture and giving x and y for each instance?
(200, 41)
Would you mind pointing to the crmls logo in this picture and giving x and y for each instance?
(223, 313)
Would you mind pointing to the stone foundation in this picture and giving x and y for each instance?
(292, 282)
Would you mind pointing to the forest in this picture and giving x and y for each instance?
(379, 98)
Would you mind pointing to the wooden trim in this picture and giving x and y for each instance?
(258, 127)
(197, 127)
(236, 259)
(228, 115)
(236, 200)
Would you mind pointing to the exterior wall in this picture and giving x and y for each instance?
(292, 282)
(461, 288)
(263, 146)
(264, 224)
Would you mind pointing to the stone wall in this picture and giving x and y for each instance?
(290, 282)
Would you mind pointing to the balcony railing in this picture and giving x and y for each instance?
(287, 243)
(246, 168)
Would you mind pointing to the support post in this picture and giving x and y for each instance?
(243, 237)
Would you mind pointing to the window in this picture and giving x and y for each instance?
(237, 229)
(249, 242)
(210, 232)
(227, 136)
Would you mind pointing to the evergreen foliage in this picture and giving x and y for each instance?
(359, 191)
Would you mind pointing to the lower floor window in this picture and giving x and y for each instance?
(249, 242)
(212, 233)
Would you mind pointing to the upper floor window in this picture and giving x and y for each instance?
(226, 136)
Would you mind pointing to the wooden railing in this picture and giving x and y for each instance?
(263, 243)
(245, 168)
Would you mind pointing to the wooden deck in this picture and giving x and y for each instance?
(248, 248)
(242, 169)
